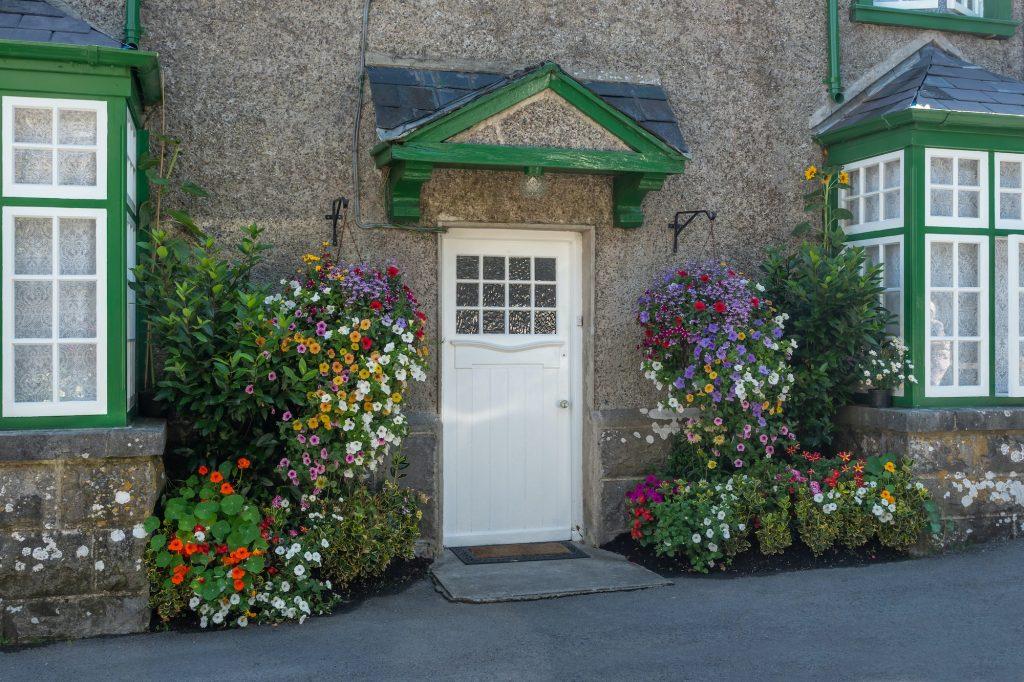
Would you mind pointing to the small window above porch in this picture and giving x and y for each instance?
(537, 120)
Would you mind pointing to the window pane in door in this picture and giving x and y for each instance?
(494, 322)
(467, 267)
(544, 269)
(544, 322)
(467, 322)
(467, 294)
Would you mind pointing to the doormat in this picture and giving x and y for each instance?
(527, 551)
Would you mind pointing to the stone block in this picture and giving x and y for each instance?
(145, 437)
(610, 510)
(28, 495)
(118, 561)
(1005, 452)
(109, 492)
(27, 620)
(41, 563)
(945, 451)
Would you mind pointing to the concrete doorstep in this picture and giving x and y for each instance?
(523, 581)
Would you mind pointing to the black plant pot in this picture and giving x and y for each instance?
(880, 397)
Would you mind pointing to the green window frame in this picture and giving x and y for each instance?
(996, 21)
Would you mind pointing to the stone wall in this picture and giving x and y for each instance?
(71, 543)
(972, 460)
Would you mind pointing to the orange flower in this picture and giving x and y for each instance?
(239, 586)
(191, 548)
(237, 572)
(243, 463)
(240, 553)
(177, 578)
(203, 470)
(845, 456)
(226, 489)
(216, 477)
(175, 545)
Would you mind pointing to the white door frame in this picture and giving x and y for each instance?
(573, 235)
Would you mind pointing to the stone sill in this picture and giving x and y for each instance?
(142, 438)
(931, 420)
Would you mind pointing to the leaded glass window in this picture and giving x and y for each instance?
(505, 295)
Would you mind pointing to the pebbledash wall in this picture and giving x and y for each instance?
(263, 95)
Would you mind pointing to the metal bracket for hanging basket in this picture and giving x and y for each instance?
(677, 227)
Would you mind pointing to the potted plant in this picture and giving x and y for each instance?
(885, 370)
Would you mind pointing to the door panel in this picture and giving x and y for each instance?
(507, 306)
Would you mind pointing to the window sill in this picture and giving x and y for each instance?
(984, 26)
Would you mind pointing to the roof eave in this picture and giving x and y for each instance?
(935, 117)
(145, 65)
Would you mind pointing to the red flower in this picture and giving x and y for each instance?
(392, 271)
(720, 307)
(699, 306)
(755, 301)
(203, 470)
(421, 316)
(375, 305)
(367, 342)
(419, 333)
(705, 278)
(682, 273)
(226, 489)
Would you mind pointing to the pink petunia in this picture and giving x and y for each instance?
(250, 389)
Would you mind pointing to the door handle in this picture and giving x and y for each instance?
(564, 404)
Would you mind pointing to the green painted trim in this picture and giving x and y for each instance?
(628, 194)
(405, 182)
(929, 120)
(116, 206)
(865, 12)
(834, 80)
(913, 269)
(145, 65)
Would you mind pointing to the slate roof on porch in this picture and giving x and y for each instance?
(406, 98)
(933, 78)
(45, 22)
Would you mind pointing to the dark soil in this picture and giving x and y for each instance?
(798, 557)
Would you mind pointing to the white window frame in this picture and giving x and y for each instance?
(983, 338)
(882, 242)
(958, 6)
(132, 155)
(846, 195)
(999, 190)
(1015, 388)
(983, 191)
(56, 407)
(53, 190)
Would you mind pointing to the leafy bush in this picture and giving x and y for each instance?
(835, 316)
(713, 343)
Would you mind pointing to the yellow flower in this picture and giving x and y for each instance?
(707, 368)
(712, 464)
(844, 178)
(368, 406)
(811, 172)
(314, 348)
(710, 388)
(312, 422)
(890, 467)
(354, 337)
(689, 397)
(324, 368)
(325, 407)
(741, 336)
(713, 375)
(297, 426)
(349, 358)
(719, 439)
(364, 325)
(396, 397)
(310, 258)
(355, 346)
(364, 374)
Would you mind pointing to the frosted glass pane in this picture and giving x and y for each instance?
(77, 246)
(893, 266)
(544, 269)
(1001, 334)
(1020, 365)
(942, 203)
(467, 294)
(942, 170)
(1020, 264)
(494, 322)
(1020, 313)
(1009, 174)
(871, 208)
(968, 368)
(519, 322)
(939, 373)
(893, 176)
(467, 267)
(33, 371)
(891, 205)
(941, 264)
(969, 172)
(76, 168)
(941, 308)
(871, 255)
(967, 267)
(33, 310)
(871, 179)
(34, 126)
(1009, 205)
(33, 246)
(519, 296)
(77, 310)
(891, 301)
(970, 204)
(77, 372)
(467, 322)
(853, 206)
(544, 296)
(33, 166)
(519, 268)
(854, 182)
(494, 267)
(968, 315)
(494, 295)
(77, 127)
(544, 322)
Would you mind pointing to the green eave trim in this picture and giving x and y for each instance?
(933, 119)
(145, 65)
(939, 21)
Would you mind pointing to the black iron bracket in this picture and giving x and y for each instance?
(337, 207)
(677, 227)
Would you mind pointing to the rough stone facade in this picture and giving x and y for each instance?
(972, 460)
(264, 97)
(71, 507)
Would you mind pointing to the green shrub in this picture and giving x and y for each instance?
(835, 314)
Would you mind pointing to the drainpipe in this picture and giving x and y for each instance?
(835, 78)
(132, 24)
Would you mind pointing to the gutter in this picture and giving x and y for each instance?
(132, 23)
(835, 77)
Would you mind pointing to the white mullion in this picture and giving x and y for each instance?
(55, 302)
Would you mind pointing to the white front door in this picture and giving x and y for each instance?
(509, 306)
